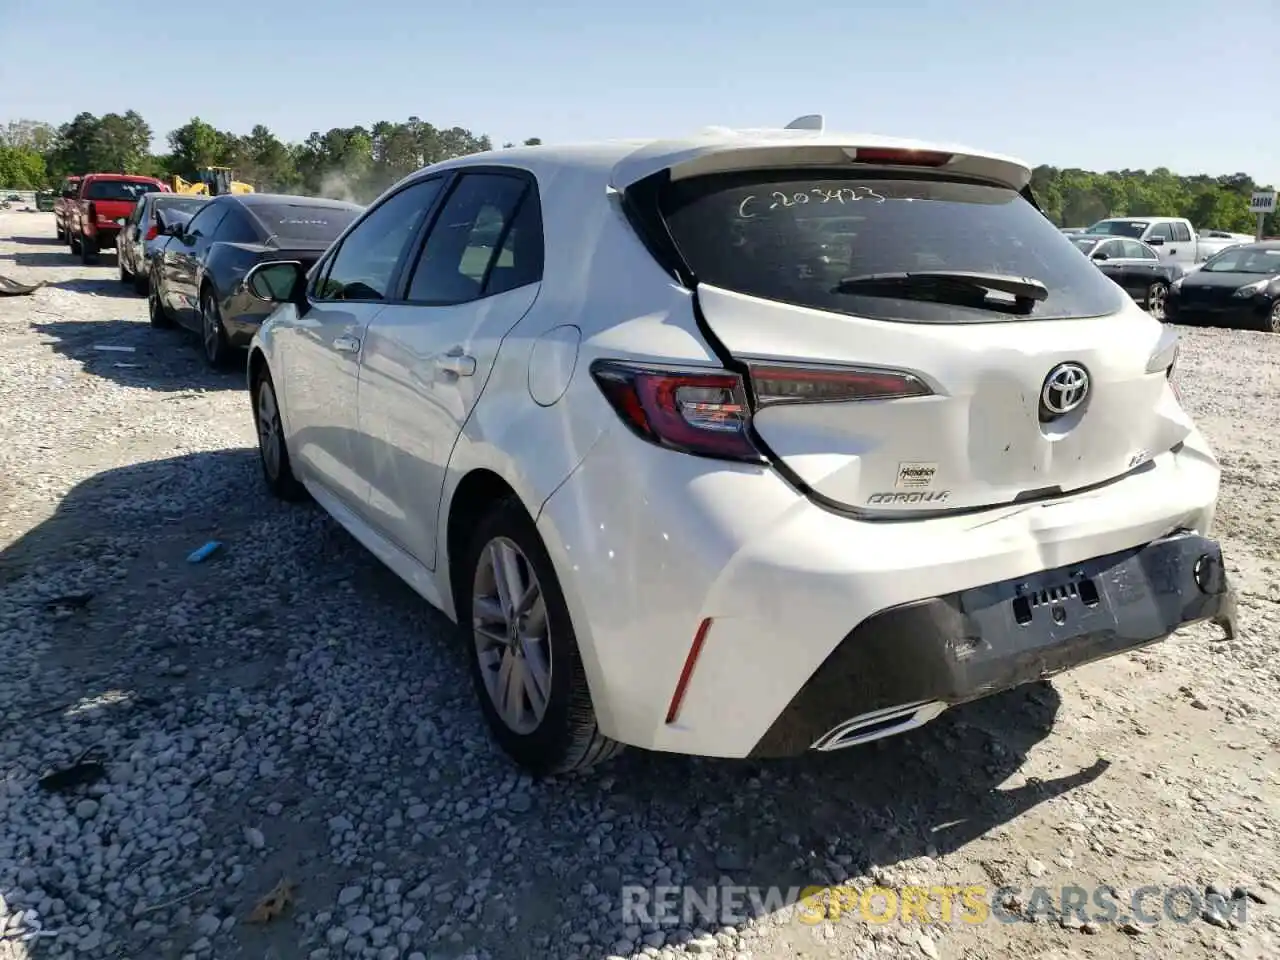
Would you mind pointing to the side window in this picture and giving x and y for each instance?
(1137, 250)
(473, 250)
(1114, 249)
(1180, 233)
(1161, 231)
(236, 228)
(363, 266)
(206, 221)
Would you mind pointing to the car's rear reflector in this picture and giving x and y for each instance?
(690, 661)
(895, 157)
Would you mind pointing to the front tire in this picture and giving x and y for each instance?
(1157, 294)
(72, 242)
(58, 232)
(127, 277)
(1272, 322)
(273, 452)
(88, 250)
(525, 664)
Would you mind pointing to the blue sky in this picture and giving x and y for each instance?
(1189, 85)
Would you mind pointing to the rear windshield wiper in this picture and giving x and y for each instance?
(1026, 291)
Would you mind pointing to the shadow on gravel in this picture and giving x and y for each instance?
(135, 354)
(99, 287)
(49, 256)
(294, 644)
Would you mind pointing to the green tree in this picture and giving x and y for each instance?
(196, 144)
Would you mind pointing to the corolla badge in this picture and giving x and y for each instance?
(1065, 388)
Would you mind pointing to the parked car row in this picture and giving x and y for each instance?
(196, 268)
(1237, 287)
(188, 253)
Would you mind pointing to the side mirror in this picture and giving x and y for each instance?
(1156, 242)
(280, 281)
(1101, 255)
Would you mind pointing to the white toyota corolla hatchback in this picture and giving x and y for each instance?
(749, 444)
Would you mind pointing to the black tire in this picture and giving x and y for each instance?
(1157, 295)
(568, 737)
(156, 312)
(213, 335)
(73, 243)
(1272, 322)
(88, 250)
(126, 277)
(141, 283)
(58, 232)
(281, 481)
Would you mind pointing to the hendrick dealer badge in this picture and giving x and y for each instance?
(915, 476)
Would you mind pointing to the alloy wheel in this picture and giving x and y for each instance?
(1156, 299)
(269, 430)
(211, 330)
(512, 635)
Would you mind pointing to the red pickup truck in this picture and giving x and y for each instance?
(103, 204)
(67, 194)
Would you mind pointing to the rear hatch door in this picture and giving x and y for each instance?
(918, 335)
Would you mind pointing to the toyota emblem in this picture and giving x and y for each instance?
(1065, 388)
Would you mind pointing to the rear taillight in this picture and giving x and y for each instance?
(773, 384)
(152, 233)
(699, 413)
(709, 413)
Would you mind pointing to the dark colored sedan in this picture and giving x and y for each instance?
(1134, 266)
(1240, 287)
(197, 279)
(152, 212)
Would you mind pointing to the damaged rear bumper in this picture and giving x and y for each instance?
(903, 666)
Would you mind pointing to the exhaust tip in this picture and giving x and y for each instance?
(879, 724)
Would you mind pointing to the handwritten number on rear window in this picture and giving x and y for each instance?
(777, 199)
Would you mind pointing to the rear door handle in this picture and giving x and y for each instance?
(456, 362)
(346, 345)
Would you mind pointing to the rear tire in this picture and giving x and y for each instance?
(126, 277)
(213, 336)
(141, 283)
(156, 312)
(59, 233)
(566, 736)
(273, 452)
(88, 250)
(73, 243)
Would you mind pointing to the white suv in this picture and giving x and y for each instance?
(742, 445)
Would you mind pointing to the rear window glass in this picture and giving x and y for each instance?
(1121, 228)
(129, 190)
(792, 239)
(286, 222)
(187, 205)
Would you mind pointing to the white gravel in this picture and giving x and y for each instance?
(287, 710)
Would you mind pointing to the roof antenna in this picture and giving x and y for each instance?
(812, 121)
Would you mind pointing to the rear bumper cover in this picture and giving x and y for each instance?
(946, 650)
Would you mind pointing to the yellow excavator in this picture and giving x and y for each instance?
(213, 182)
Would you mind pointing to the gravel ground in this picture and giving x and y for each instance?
(288, 711)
